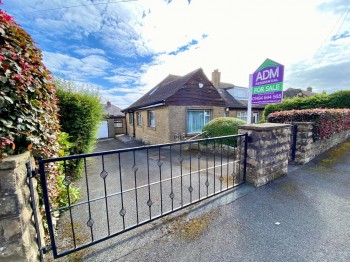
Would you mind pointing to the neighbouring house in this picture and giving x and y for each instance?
(177, 105)
(114, 122)
(236, 98)
(297, 92)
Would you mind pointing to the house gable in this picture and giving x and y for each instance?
(197, 91)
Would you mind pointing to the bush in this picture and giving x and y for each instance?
(28, 102)
(339, 99)
(297, 103)
(28, 109)
(80, 115)
(223, 126)
(327, 121)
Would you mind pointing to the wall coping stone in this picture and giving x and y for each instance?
(12, 162)
(264, 126)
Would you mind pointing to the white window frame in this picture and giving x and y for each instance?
(206, 118)
(242, 115)
(139, 118)
(151, 118)
(131, 118)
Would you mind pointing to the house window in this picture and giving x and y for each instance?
(118, 123)
(139, 118)
(151, 119)
(242, 115)
(196, 120)
(131, 118)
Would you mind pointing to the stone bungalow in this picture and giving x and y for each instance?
(181, 105)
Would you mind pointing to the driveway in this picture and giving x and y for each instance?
(186, 175)
(304, 216)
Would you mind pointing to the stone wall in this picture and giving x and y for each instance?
(17, 229)
(267, 151)
(307, 148)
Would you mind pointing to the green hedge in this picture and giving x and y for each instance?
(223, 126)
(340, 99)
(80, 115)
(327, 121)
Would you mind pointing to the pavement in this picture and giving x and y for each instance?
(304, 216)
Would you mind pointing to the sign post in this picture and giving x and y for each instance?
(265, 85)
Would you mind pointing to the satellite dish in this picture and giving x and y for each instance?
(200, 85)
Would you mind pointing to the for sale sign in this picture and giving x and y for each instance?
(267, 83)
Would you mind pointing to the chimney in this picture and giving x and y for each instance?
(215, 78)
(309, 89)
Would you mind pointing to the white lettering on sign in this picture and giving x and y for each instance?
(266, 74)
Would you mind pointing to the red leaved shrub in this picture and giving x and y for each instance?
(327, 121)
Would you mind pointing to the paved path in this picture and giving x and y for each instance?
(304, 216)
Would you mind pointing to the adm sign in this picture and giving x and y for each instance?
(267, 83)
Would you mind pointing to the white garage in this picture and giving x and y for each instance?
(103, 130)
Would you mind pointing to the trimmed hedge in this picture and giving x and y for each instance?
(327, 121)
(340, 99)
(223, 126)
(80, 115)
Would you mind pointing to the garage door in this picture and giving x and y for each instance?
(103, 130)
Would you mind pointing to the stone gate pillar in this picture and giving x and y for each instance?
(268, 151)
(17, 229)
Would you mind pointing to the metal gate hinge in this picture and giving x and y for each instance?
(45, 249)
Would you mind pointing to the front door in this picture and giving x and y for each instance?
(255, 117)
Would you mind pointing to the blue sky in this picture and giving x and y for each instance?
(124, 48)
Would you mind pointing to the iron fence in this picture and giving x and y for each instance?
(124, 189)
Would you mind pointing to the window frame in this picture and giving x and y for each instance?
(139, 118)
(118, 123)
(151, 115)
(244, 117)
(131, 118)
(206, 113)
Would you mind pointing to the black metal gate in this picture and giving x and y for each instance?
(124, 189)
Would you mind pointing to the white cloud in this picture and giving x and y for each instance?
(240, 36)
(89, 51)
(76, 69)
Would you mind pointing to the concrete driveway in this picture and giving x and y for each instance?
(304, 216)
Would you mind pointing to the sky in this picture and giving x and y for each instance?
(124, 48)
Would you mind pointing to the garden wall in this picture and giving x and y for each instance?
(17, 229)
(308, 147)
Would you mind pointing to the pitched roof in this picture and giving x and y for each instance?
(112, 110)
(165, 89)
(297, 92)
(232, 102)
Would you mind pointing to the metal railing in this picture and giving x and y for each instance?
(124, 189)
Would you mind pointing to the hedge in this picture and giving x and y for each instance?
(80, 115)
(28, 102)
(223, 126)
(28, 108)
(327, 121)
(340, 99)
